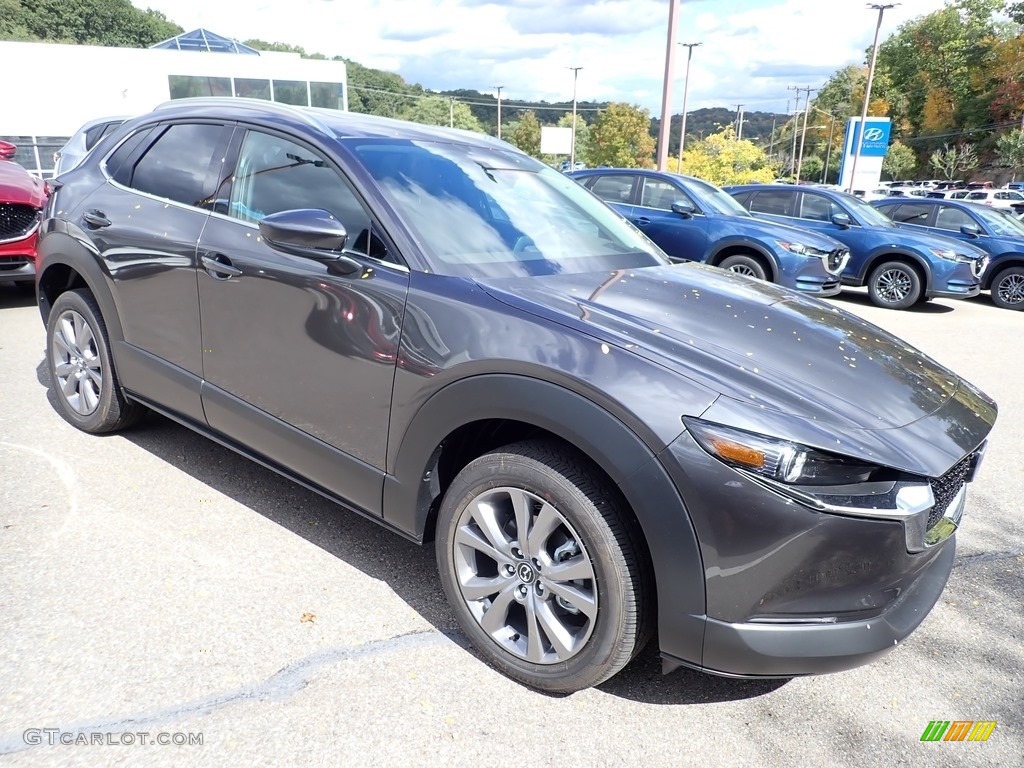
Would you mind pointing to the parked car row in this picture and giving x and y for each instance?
(809, 238)
(451, 338)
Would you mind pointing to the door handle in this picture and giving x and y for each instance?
(641, 221)
(96, 219)
(220, 266)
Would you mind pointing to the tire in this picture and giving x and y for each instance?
(1008, 288)
(894, 285)
(742, 264)
(570, 608)
(82, 372)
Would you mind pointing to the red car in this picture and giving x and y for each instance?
(22, 197)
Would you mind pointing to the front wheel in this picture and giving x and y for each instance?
(742, 264)
(541, 568)
(1008, 288)
(894, 285)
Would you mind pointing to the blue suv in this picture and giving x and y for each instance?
(900, 268)
(691, 219)
(999, 234)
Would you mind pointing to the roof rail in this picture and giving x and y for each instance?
(258, 105)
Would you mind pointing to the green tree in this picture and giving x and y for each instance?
(375, 92)
(953, 161)
(620, 137)
(898, 160)
(94, 22)
(438, 110)
(525, 133)
(723, 160)
(583, 142)
(1010, 150)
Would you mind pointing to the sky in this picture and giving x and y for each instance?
(751, 50)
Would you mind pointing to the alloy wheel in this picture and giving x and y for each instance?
(1011, 289)
(894, 285)
(525, 575)
(77, 365)
(743, 269)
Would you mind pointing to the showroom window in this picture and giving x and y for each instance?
(187, 86)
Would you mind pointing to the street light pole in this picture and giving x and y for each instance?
(739, 122)
(858, 144)
(686, 93)
(665, 129)
(572, 151)
(796, 122)
(499, 87)
(803, 137)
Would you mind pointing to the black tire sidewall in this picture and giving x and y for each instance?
(915, 281)
(588, 667)
(100, 419)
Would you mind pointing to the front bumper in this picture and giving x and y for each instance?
(815, 275)
(787, 650)
(18, 259)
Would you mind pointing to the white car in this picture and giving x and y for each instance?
(1004, 199)
(85, 138)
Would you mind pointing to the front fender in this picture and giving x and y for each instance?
(628, 461)
(887, 253)
(751, 245)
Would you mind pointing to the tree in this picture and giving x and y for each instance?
(525, 134)
(620, 137)
(1010, 150)
(899, 159)
(723, 160)
(954, 161)
(94, 22)
(438, 110)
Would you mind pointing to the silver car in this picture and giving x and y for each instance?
(85, 138)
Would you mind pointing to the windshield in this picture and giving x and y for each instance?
(491, 212)
(714, 198)
(866, 214)
(1002, 223)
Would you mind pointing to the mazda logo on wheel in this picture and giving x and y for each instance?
(873, 134)
(525, 573)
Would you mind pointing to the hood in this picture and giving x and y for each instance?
(765, 228)
(19, 186)
(917, 238)
(782, 363)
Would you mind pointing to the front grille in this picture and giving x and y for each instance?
(947, 487)
(835, 259)
(17, 220)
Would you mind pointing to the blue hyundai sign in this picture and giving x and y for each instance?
(876, 137)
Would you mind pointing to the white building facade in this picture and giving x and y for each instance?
(72, 84)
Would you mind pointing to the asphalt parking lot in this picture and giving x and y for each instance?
(156, 583)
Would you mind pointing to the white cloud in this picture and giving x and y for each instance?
(752, 49)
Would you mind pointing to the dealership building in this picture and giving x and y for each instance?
(71, 84)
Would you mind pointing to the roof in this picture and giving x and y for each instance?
(204, 40)
(330, 121)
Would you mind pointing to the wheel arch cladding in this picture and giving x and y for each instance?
(746, 248)
(411, 490)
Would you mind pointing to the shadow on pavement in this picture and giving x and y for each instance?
(409, 569)
(16, 296)
(862, 299)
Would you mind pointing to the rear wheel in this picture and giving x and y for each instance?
(541, 569)
(742, 264)
(894, 285)
(81, 369)
(1008, 288)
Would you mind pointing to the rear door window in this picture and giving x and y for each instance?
(911, 213)
(776, 202)
(616, 189)
(177, 165)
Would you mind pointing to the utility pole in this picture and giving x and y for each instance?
(796, 113)
(572, 151)
(499, 87)
(686, 92)
(739, 122)
(858, 144)
(665, 129)
(803, 136)
(451, 114)
(828, 152)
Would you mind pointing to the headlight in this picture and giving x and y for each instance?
(775, 459)
(944, 254)
(799, 248)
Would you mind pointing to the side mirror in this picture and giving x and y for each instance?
(312, 233)
(683, 209)
(841, 220)
(970, 231)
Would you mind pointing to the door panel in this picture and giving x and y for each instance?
(684, 237)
